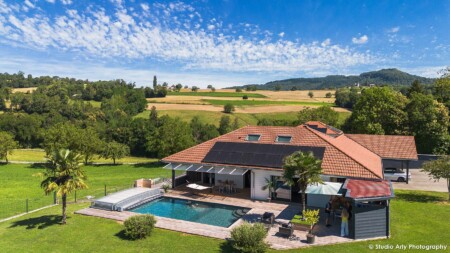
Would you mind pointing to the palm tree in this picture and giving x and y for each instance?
(271, 185)
(64, 176)
(302, 169)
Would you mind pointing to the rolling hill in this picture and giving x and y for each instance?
(392, 77)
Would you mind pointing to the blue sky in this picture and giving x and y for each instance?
(222, 43)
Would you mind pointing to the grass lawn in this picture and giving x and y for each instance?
(18, 183)
(416, 218)
(38, 155)
(250, 102)
(216, 94)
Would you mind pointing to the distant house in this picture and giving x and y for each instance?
(250, 155)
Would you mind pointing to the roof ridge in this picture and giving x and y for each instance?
(342, 151)
(220, 136)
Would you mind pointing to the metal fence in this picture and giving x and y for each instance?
(9, 208)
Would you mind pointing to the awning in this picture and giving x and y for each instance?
(328, 188)
(234, 171)
(231, 171)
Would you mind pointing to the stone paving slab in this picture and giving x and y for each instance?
(283, 213)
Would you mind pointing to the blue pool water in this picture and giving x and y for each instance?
(201, 212)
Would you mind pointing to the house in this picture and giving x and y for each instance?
(251, 155)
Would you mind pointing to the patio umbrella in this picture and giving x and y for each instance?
(328, 188)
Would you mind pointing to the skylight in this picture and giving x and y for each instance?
(253, 137)
(283, 139)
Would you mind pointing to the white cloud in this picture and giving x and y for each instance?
(394, 29)
(326, 42)
(122, 34)
(145, 7)
(50, 1)
(29, 4)
(66, 2)
(361, 40)
(281, 34)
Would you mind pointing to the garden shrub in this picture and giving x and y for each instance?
(139, 226)
(248, 238)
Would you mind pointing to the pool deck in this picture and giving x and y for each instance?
(283, 213)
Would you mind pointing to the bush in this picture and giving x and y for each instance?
(238, 90)
(245, 97)
(311, 94)
(139, 226)
(249, 238)
(228, 108)
(166, 187)
(328, 95)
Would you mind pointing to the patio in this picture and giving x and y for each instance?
(283, 213)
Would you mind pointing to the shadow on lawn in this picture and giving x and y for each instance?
(150, 165)
(227, 247)
(38, 222)
(418, 197)
(39, 165)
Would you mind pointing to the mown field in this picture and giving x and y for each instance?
(38, 155)
(250, 102)
(18, 183)
(216, 94)
(416, 218)
(244, 119)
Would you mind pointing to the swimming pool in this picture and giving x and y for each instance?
(201, 212)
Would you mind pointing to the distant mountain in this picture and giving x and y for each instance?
(392, 77)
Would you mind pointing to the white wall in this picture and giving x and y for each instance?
(317, 200)
(258, 181)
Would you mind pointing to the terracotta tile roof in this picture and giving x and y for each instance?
(324, 127)
(357, 188)
(388, 146)
(342, 157)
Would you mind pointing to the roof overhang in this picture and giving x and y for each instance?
(207, 168)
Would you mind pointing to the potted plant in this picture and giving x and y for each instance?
(311, 217)
(270, 184)
(166, 187)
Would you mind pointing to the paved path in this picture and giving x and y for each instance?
(421, 181)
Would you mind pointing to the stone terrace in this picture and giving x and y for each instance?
(283, 213)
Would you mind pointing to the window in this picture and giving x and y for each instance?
(253, 137)
(283, 139)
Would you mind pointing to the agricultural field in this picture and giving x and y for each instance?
(24, 90)
(244, 119)
(257, 102)
(42, 230)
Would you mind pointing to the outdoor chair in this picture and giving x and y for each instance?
(287, 231)
(268, 218)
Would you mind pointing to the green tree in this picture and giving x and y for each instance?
(277, 87)
(328, 95)
(225, 125)
(88, 144)
(441, 88)
(173, 135)
(114, 150)
(155, 82)
(310, 94)
(235, 124)
(63, 176)
(416, 87)
(379, 110)
(178, 87)
(439, 169)
(228, 108)
(302, 169)
(153, 115)
(323, 114)
(60, 136)
(238, 90)
(428, 121)
(194, 88)
(7, 145)
(202, 132)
